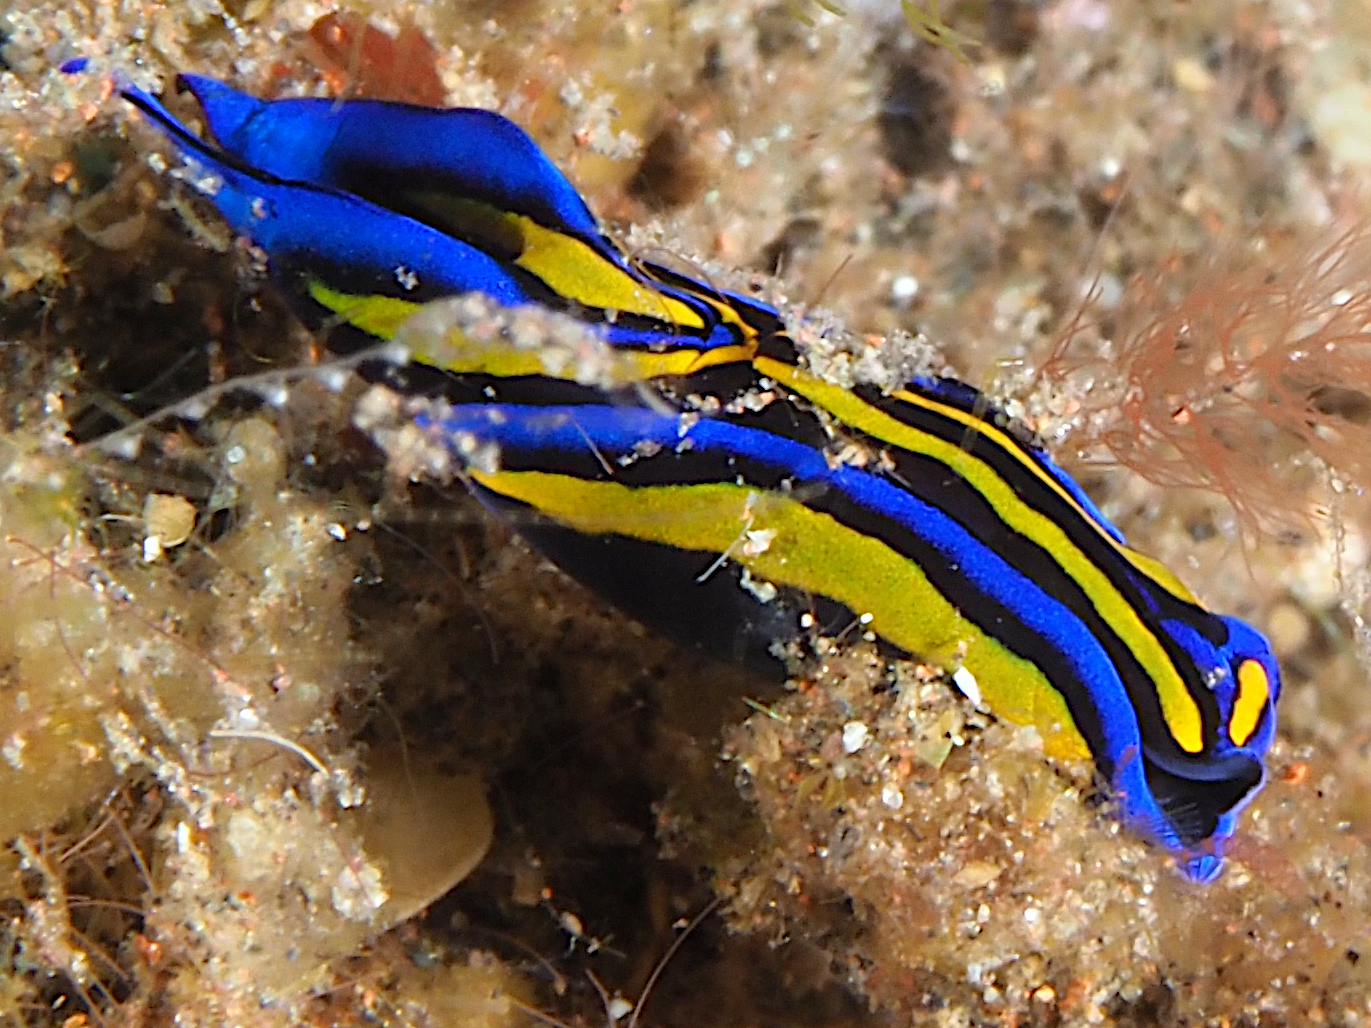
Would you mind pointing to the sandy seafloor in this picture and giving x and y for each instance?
(263, 702)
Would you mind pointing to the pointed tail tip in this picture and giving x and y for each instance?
(229, 112)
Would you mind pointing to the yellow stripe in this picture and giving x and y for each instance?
(729, 315)
(576, 272)
(379, 316)
(382, 316)
(1182, 713)
(1254, 693)
(811, 551)
(1153, 569)
(570, 267)
(726, 312)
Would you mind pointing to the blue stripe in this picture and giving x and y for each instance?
(614, 430)
(372, 149)
(973, 401)
(305, 226)
(470, 152)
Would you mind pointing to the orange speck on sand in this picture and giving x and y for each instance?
(150, 951)
(1296, 773)
(1076, 993)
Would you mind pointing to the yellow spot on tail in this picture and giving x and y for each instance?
(1254, 695)
(1179, 708)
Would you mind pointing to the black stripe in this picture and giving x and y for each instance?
(759, 317)
(667, 467)
(688, 595)
(693, 467)
(991, 617)
(463, 389)
(1034, 491)
(788, 416)
(1150, 600)
(938, 485)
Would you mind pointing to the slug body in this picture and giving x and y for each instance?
(747, 496)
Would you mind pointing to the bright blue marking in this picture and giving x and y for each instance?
(462, 151)
(615, 430)
(967, 397)
(302, 226)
